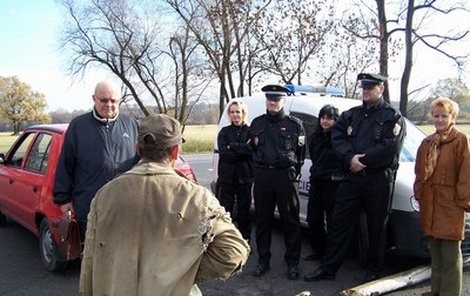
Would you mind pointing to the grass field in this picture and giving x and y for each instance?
(200, 138)
(428, 129)
(6, 139)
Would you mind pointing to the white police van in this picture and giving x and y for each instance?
(404, 234)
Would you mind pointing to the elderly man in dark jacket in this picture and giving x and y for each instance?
(98, 146)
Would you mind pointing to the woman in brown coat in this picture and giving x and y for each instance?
(442, 188)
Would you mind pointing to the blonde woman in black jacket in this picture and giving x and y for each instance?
(235, 168)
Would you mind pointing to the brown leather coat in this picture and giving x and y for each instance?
(152, 232)
(444, 197)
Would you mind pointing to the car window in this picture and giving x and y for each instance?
(310, 124)
(37, 157)
(16, 157)
(414, 137)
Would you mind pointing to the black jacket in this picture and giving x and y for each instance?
(93, 153)
(325, 163)
(278, 140)
(377, 131)
(234, 154)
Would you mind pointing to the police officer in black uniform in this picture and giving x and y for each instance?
(368, 140)
(277, 140)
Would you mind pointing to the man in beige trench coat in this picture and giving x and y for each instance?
(153, 232)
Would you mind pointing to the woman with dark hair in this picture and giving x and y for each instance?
(325, 173)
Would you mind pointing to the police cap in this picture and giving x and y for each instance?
(275, 92)
(368, 79)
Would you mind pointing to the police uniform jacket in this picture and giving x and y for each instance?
(325, 163)
(153, 232)
(444, 197)
(234, 154)
(377, 131)
(278, 141)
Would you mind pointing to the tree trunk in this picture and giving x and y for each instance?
(405, 78)
(383, 62)
(16, 127)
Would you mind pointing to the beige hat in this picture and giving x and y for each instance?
(159, 130)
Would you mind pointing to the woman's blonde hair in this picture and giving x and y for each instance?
(242, 107)
(448, 105)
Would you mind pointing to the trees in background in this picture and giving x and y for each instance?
(171, 54)
(292, 34)
(451, 88)
(19, 103)
(409, 22)
(233, 42)
(224, 32)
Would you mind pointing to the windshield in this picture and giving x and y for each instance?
(414, 137)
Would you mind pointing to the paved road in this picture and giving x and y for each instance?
(21, 273)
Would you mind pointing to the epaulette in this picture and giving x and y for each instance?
(295, 119)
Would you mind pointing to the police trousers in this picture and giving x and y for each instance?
(275, 187)
(370, 193)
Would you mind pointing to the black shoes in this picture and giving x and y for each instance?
(318, 275)
(260, 270)
(292, 272)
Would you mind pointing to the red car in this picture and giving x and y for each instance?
(27, 175)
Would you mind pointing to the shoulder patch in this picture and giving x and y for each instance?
(301, 141)
(396, 129)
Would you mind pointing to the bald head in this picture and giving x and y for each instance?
(107, 97)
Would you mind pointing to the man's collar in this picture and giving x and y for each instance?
(104, 120)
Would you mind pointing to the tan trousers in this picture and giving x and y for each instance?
(446, 267)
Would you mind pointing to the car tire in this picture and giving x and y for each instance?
(50, 255)
(363, 241)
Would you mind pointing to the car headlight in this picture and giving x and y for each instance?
(414, 203)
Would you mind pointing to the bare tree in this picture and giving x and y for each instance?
(124, 37)
(405, 20)
(104, 33)
(343, 57)
(222, 28)
(190, 79)
(292, 33)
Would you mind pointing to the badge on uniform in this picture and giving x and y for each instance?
(396, 129)
(350, 130)
(301, 141)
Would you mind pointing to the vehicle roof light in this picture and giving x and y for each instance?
(325, 90)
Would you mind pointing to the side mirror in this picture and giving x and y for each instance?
(2, 158)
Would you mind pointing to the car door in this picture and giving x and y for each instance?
(31, 179)
(9, 172)
(310, 122)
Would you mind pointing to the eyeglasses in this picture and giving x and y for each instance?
(106, 100)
